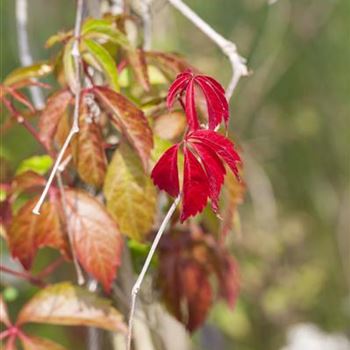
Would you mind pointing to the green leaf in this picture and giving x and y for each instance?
(37, 164)
(103, 29)
(105, 60)
(58, 38)
(68, 64)
(130, 194)
(65, 304)
(30, 72)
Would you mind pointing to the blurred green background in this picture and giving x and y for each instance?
(291, 118)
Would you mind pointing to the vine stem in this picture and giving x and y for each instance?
(229, 48)
(77, 92)
(24, 275)
(140, 278)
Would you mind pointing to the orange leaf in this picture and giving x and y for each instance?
(28, 232)
(96, 238)
(51, 115)
(88, 152)
(130, 120)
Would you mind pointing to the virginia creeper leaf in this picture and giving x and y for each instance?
(105, 60)
(37, 70)
(165, 173)
(195, 187)
(96, 238)
(36, 343)
(38, 164)
(138, 64)
(28, 233)
(130, 194)
(170, 125)
(27, 180)
(130, 119)
(54, 110)
(68, 65)
(88, 151)
(65, 304)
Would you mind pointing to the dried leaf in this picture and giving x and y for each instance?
(130, 194)
(28, 232)
(24, 73)
(53, 112)
(130, 119)
(96, 238)
(36, 343)
(105, 60)
(4, 317)
(88, 151)
(65, 304)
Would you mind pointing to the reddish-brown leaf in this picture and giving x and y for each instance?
(55, 108)
(129, 119)
(65, 304)
(28, 232)
(88, 150)
(138, 64)
(96, 238)
(27, 181)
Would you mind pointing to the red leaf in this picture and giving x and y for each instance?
(215, 171)
(195, 187)
(221, 145)
(214, 94)
(165, 173)
(96, 238)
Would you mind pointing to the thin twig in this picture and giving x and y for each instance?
(25, 56)
(229, 48)
(77, 92)
(145, 267)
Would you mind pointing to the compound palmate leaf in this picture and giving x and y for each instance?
(129, 119)
(130, 194)
(65, 304)
(88, 151)
(96, 238)
(36, 343)
(27, 232)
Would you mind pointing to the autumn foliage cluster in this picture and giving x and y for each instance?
(147, 120)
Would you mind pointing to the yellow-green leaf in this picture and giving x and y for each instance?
(130, 194)
(68, 64)
(65, 304)
(105, 60)
(36, 343)
(37, 164)
(30, 72)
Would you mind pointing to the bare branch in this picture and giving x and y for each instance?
(145, 267)
(229, 48)
(75, 126)
(25, 56)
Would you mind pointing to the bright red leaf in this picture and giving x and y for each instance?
(213, 92)
(205, 151)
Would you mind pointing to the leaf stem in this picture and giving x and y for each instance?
(75, 126)
(145, 267)
(24, 275)
(229, 48)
